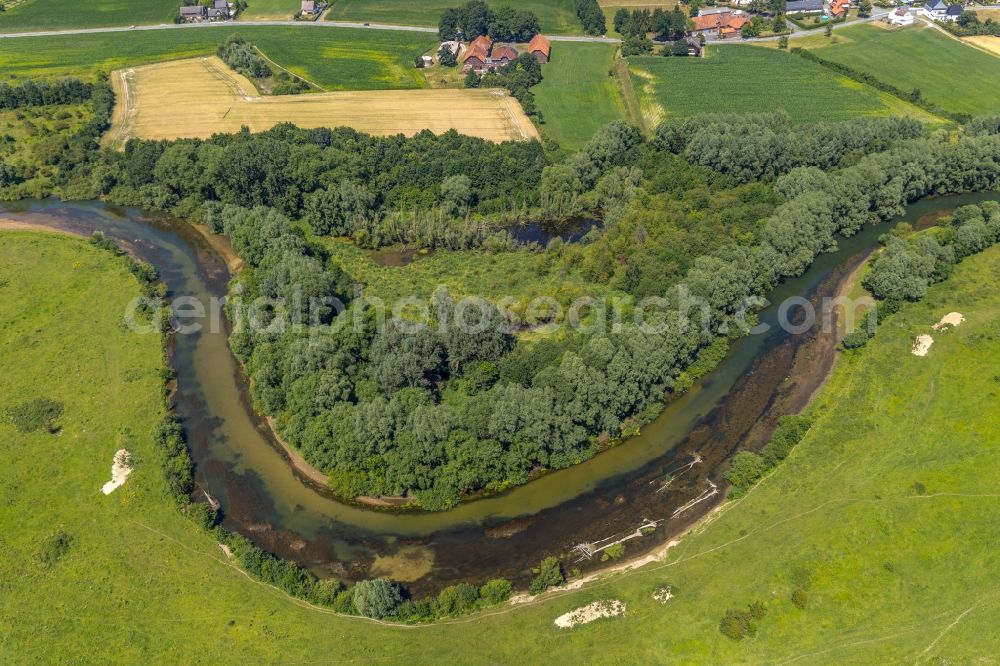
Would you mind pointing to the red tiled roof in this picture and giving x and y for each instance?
(725, 21)
(539, 43)
(504, 51)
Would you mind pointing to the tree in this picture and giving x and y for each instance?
(621, 20)
(550, 574)
(456, 599)
(779, 24)
(828, 30)
(376, 598)
(446, 57)
(456, 195)
(591, 17)
(865, 8)
(783, 42)
(496, 591)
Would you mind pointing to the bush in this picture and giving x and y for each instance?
(496, 591)
(856, 339)
(456, 599)
(550, 574)
(376, 598)
(613, 552)
(54, 548)
(35, 415)
(800, 598)
(744, 471)
(737, 625)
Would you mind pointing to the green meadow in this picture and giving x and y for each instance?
(749, 79)
(334, 58)
(32, 15)
(555, 16)
(884, 534)
(577, 95)
(270, 10)
(953, 75)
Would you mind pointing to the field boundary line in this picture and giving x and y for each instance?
(633, 111)
(288, 71)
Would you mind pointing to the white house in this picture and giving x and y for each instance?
(900, 16)
(938, 10)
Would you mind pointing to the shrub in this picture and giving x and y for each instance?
(35, 415)
(737, 625)
(613, 552)
(496, 591)
(457, 598)
(54, 548)
(799, 597)
(550, 574)
(747, 467)
(376, 598)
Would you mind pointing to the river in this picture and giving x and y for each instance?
(238, 462)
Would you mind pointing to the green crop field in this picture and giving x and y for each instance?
(888, 533)
(555, 16)
(576, 95)
(31, 15)
(335, 58)
(953, 75)
(747, 79)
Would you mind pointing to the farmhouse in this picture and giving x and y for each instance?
(312, 7)
(540, 47)
(900, 16)
(483, 55)
(938, 10)
(219, 11)
(805, 7)
(721, 24)
(194, 13)
(838, 8)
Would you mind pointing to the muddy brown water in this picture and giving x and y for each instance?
(237, 461)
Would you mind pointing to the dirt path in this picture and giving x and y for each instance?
(7, 224)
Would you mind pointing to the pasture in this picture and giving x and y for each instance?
(888, 532)
(32, 15)
(748, 79)
(333, 58)
(270, 10)
(557, 17)
(577, 96)
(199, 97)
(953, 75)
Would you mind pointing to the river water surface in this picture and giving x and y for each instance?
(263, 496)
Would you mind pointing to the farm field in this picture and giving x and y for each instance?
(889, 533)
(32, 15)
(199, 97)
(555, 16)
(947, 72)
(576, 95)
(985, 42)
(333, 58)
(748, 79)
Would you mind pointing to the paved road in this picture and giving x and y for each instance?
(302, 24)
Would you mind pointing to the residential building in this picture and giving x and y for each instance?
(193, 13)
(723, 24)
(805, 7)
(938, 10)
(540, 47)
(900, 16)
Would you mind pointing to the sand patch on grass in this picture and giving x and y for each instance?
(922, 345)
(120, 469)
(590, 613)
(950, 320)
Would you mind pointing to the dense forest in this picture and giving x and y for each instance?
(726, 206)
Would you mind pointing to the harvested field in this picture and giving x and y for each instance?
(985, 42)
(199, 97)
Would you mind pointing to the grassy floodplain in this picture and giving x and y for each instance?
(555, 16)
(889, 532)
(577, 96)
(334, 58)
(748, 79)
(953, 75)
(31, 15)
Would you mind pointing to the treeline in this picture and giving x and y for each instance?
(663, 24)
(340, 181)
(914, 96)
(765, 146)
(907, 266)
(591, 17)
(969, 24)
(475, 18)
(518, 78)
(243, 57)
(43, 93)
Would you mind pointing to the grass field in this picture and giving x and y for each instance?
(576, 95)
(949, 73)
(889, 531)
(334, 58)
(555, 16)
(32, 15)
(746, 79)
(199, 97)
(263, 10)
